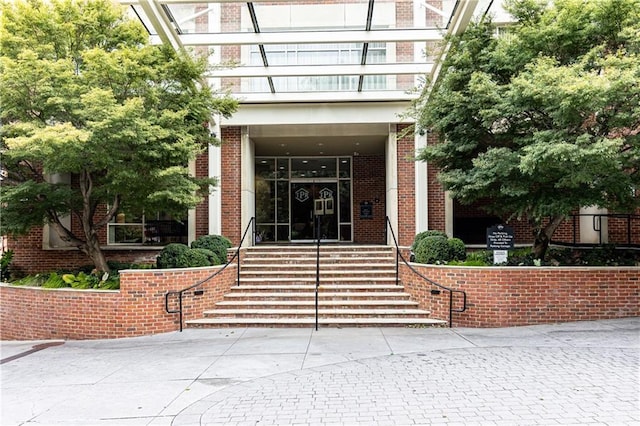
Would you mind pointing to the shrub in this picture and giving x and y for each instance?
(181, 256)
(200, 257)
(54, 281)
(434, 249)
(173, 256)
(479, 258)
(424, 234)
(457, 248)
(216, 243)
(5, 261)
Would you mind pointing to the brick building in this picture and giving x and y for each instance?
(323, 86)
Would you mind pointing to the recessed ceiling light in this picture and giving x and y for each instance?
(264, 161)
(304, 161)
(324, 167)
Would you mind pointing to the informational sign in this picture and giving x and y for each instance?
(366, 210)
(500, 256)
(500, 237)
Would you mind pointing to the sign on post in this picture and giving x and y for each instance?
(500, 239)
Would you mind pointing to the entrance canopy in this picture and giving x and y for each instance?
(310, 50)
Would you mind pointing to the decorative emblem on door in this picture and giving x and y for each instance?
(326, 193)
(302, 195)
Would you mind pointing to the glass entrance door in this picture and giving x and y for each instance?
(312, 201)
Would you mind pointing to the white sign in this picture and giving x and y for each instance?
(500, 256)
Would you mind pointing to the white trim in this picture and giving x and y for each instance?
(191, 214)
(215, 197)
(391, 156)
(321, 70)
(448, 214)
(304, 37)
(421, 190)
(316, 113)
(247, 183)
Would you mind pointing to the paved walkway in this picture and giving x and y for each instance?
(575, 373)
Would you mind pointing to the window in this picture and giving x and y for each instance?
(318, 54)
(148, 229)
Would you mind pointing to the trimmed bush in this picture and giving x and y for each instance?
(199, 257)
(216, 243)
(457, 248)
(424, 234)
(173, 256)
(434, 249)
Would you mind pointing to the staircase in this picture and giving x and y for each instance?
(277, 289)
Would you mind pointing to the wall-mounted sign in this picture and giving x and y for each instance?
(366, 210)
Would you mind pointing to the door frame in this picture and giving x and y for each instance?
(313, 181)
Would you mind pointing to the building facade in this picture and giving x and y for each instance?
(321, 146)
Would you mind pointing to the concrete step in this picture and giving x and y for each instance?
(323, 304)
(310, 321)
(322, 295)
(325, 312)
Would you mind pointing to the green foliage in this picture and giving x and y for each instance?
(200, 257)
(543, 120)
(5, 261)
(181, 256)
(55, 281)
(85, 94)
(434, 249)
(173, 256)
(458, 250)
(80, 280)
(430, 233)
(216, 243)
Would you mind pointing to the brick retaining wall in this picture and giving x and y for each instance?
(512, 296)
(30, 313)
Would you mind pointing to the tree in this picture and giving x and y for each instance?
(544, 119)
(84, 95)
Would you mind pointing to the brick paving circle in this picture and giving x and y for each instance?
(484, 386)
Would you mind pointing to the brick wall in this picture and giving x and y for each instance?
(406, 188)
(230, 185)
(137, 309)
(30, 258)
(512, 296)
(202, 209)
(369, 185)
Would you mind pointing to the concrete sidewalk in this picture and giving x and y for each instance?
(574, 373)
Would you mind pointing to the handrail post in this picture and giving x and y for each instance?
(450, 309)
(317, 266)
(180, 307)
(397, 266)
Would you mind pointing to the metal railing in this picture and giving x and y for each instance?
(596, 224)
(180, 293)
(317, 266)
(430, 281)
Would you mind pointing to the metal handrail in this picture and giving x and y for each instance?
(430, 281)
(317, 266)
(180, 293)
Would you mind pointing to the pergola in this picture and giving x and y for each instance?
(415, 28)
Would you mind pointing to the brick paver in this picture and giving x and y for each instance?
(485, 386)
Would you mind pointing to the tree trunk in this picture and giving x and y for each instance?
(94, 251)
(542, 236)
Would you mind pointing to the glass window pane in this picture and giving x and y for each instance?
(345, 201)
(283, 168)
(265, 233)
(265, 201)
(265, 168)
(283, 233)
(283, 202)
(345, 233)
(345, 167)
